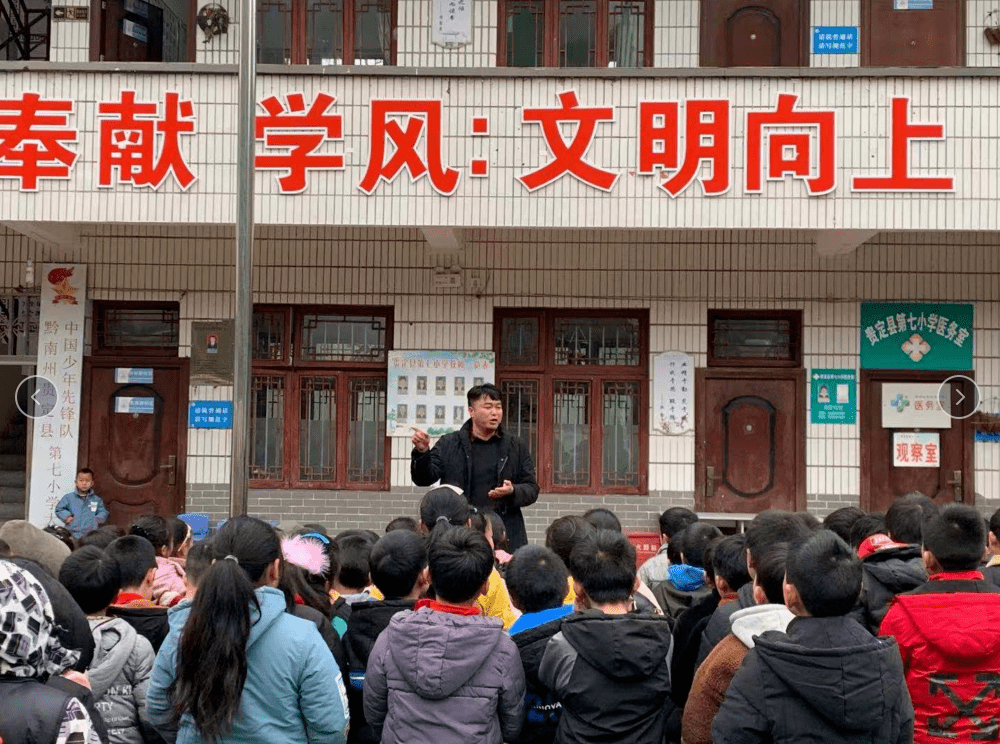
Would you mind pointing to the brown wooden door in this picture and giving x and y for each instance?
(750, 433)
(137, 458)
(913, 38)
(132, 32)
(881, 481)
(754, 33)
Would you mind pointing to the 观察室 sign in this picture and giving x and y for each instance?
(833, 396)
(835, 40)
(210, 414)
(916, 449)
(912, 335)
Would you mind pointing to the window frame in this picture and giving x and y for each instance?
(794, 317)
(97, 345)
(298, 21)
(550, 33)
(293, 369)
(547, 373)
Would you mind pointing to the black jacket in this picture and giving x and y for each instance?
(888, 573)
(824, 680)
(367, 621)
(450, 461)
(687, 642)
(149, 622)
(31, 711)
(542, 709)
(612, 675)
(718, 625)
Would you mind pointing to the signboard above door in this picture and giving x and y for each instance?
(912, 335)
(915, 405)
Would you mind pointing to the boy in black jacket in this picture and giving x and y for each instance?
(398, 568)
(609, 669)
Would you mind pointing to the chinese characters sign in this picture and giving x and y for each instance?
(681, 142)
(912, 449)
(673, 393)
(833, 396)
(835, 40)
(427, 389)
(55, 439)
(452, 21)
(915, 405)
(916, 336)
(210, 414)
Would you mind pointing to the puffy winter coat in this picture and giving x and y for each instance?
(450, 461)
(119, 677)
(612, 675)
(719, 626)
(293, 692)
(88, 512)
(825, 680)
(949, 638)
(684, 588)
(168, 583)
(542, 709)
(886, 574)
(440, 678)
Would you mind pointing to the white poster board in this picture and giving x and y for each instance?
(673, 393)
(452, 22)
(914, 406)
(55, 439)
(427, 389)
(913, 449)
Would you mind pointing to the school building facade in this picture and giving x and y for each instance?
(741, 255)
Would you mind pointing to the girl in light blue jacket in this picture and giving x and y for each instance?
(236, 668)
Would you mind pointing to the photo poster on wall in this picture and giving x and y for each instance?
(427, 389)
(673, 393)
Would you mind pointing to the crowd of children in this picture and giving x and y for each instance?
(863, 628)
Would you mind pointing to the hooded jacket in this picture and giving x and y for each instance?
(450, 461)
(714, 676)
(368, 620)
(440, 678)
(888, 573)
(826, 679)
(949, 640)
(293, 692)
(148, 619)
(542, 709)
(719, 626)
(684, 588)
(687, 640)
(612, 675)
(119, 677)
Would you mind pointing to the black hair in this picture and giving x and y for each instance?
(154, 528)
(827, 574)
(332, 551)
(5, 551)
(807, 520)
(135, 557)
(868, 525)
(353, 552)
(63, 535)
(212, 653)
(770, 569)
(729, 560)
(674, 548)
(841, 520)
(296, 584)
(460, 562)
(906, 515)
(396, 562)
(92, 577)
(402, 523)
(179, 533)
(96, 538)
(85, 471)
(564, 534)
(603, 519)
(995, 524)
(487, 390)
(675, 519)
(955, 536)
(536, 579)
(479, 520)
(773, 526)
(315, 527)
(695, 541)
(709, 552)
(499, 531)
(604, 563)
(444, 507)
(199, 558)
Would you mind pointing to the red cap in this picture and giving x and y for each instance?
(875, 543)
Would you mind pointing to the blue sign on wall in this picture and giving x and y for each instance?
(210, 414)
(134, 375)
(835, 39)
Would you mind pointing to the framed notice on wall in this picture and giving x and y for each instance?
(427, 389)
(673, 393)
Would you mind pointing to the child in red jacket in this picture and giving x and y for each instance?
(948, 635)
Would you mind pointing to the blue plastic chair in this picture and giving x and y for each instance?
(198, 524)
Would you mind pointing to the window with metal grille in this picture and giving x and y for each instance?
(576, 33)
(138, 326)
(761, 338)
(575, 390)
(326, 32)
(319, 385)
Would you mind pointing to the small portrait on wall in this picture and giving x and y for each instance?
(421, 385)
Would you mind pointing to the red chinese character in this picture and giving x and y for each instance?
(918, 405)
(298, 133)
(903, 132)
(902, 452)
(706, 140)
(791, 153)
(33, 138)
(917, 452)
(931, 454)
(128, 139)
(421, 117)
(568, 157)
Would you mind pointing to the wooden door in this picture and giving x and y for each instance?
(137, 458)
(882, 482)
(132, 31)
(750, 434)
(754, 33)
(933, 37)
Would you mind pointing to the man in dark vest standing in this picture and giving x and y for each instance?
(493, 468)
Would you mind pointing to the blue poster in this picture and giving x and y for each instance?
(131, 404)
(134, 375)
(210, 414)
(833, 396)
(835, 39)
